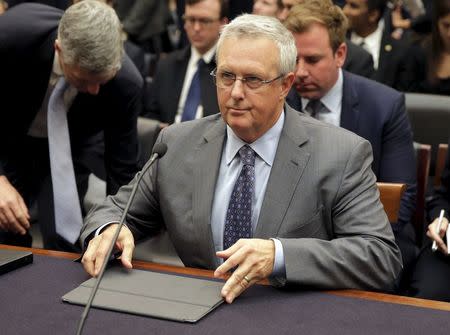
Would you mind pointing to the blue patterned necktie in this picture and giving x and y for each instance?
(194, 95)
(68, 218)
(238, 222)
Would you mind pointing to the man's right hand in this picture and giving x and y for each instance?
(95, 254)
(437, 236)
(14, 216)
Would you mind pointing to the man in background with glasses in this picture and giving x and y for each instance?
(182, 89)
(260, 191)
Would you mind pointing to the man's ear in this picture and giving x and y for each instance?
(287, 84)
(224, 21)
(341, 54)
(57, 46)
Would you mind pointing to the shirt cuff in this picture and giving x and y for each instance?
(100, 229)
(279, 267)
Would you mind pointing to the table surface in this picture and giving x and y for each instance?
(31, 304)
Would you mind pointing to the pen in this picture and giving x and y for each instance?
(441, 216)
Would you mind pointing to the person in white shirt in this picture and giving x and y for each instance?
(369, 30)
(169, 92)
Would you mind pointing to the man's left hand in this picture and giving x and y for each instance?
(253, 260)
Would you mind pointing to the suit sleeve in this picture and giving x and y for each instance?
(121, 141)
(362, 253)
(397, 161)
(144, 216)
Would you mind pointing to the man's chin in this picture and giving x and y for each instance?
(308, 94)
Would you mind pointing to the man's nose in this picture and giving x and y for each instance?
(237, 90)
(197, 25)
(301, 69)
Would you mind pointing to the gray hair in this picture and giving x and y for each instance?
(257, 26)
(90, 35)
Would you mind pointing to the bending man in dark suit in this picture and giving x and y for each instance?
(102, 98)
(169, 90)
(314, 217)
(365, 107)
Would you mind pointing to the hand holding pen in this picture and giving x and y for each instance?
(436, 231)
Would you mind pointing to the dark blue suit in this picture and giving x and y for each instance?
(165, 90)
(377, 113)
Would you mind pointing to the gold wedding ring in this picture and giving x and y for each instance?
(247, 279)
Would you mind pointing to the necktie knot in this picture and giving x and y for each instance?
(364, 45)
(313, 107)
(200, 64)
(60, 86)
(57, 96)
(247, 155)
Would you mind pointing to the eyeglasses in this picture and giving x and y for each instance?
(225, 79)
(202, 21)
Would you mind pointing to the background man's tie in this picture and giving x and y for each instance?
(194, 95)
(363, 45)
(313, 107)
(238, 222)
(68, 218)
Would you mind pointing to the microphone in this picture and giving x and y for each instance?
(159, 150)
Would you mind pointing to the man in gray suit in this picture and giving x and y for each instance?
(313, 216)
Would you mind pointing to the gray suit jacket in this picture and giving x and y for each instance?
(321, 202)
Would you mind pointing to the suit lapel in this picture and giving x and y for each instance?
(350, 112)
(289, 164)
(385, 49)
(293, 100)
(208, 156)
(179, 73)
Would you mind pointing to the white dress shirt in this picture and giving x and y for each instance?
(265, 148)
(372, 42)
(332, 101)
